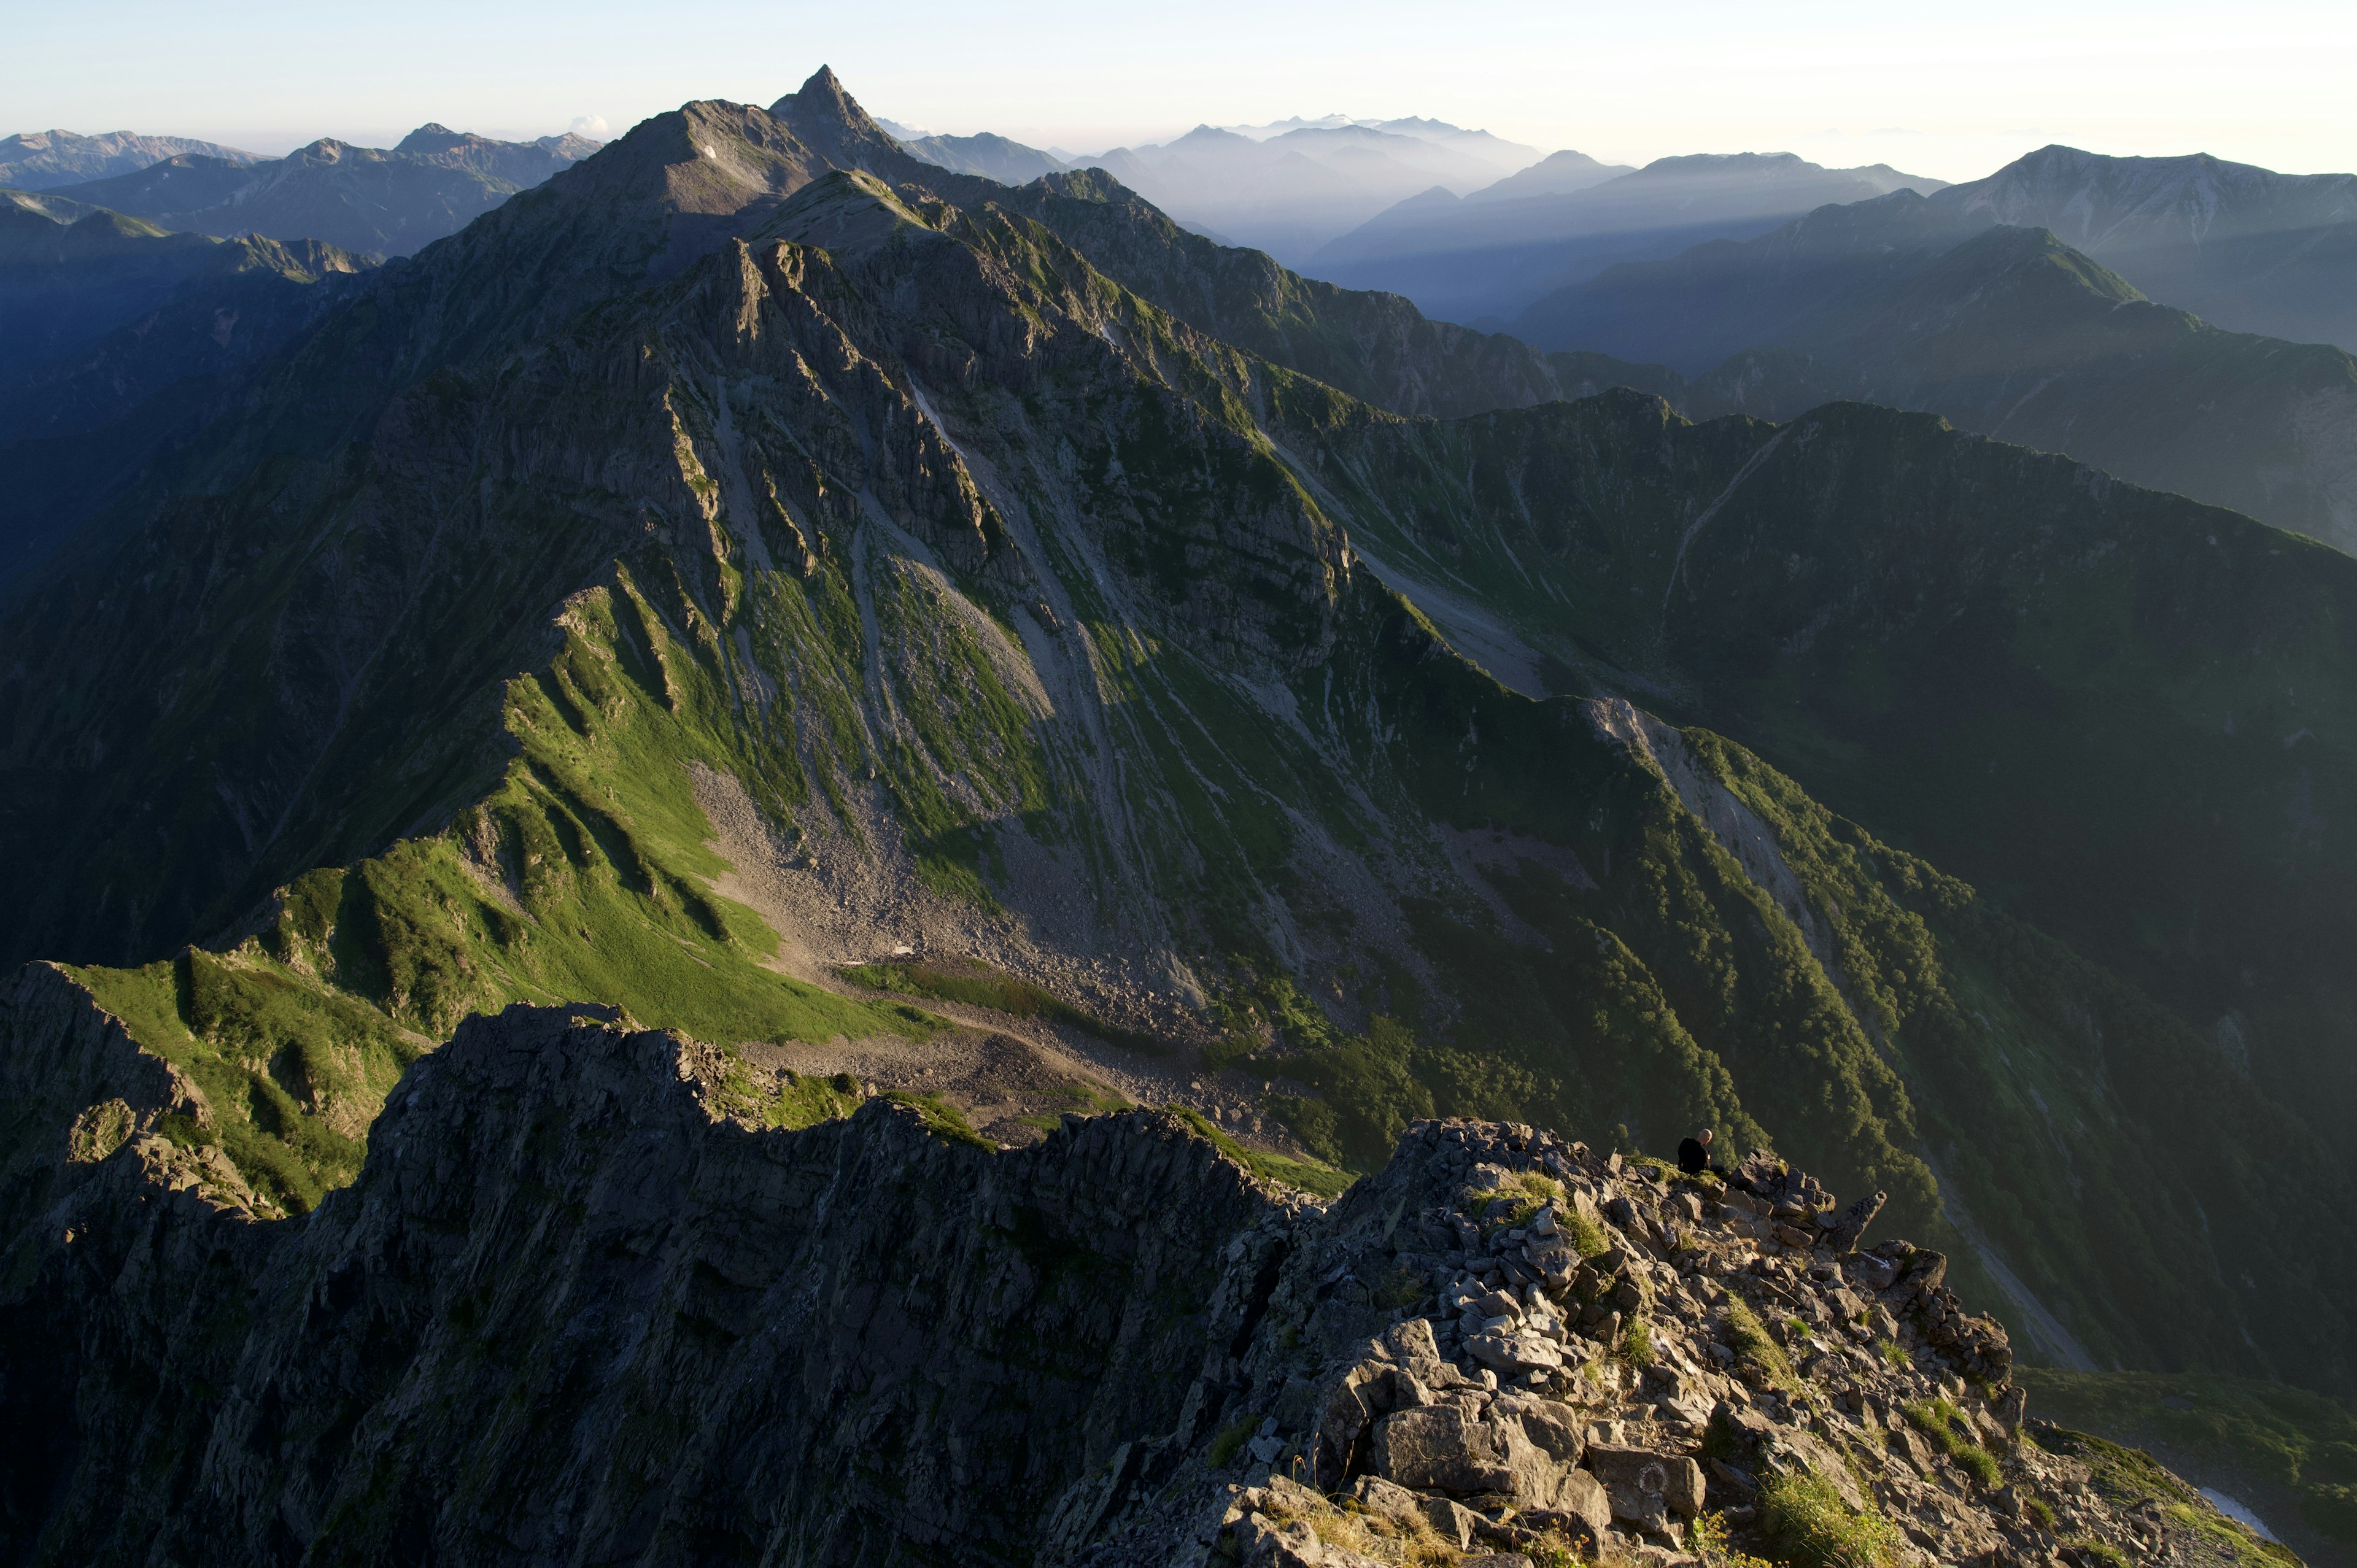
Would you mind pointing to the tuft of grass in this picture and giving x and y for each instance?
(2103, 1552)
(1940, 1422)
(1754, 1348)
(1528, 1192)
(2040, 1514)
(1322, 1180)
(1808, 1519)
(1586, 1236)
(942, 1118)
(1635, 1347)
(1892, 1351)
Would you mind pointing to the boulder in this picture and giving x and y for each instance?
(1846, 1231)
(1641, 1481)
(1440, 1449)
(1512, 1354)
(1583, 1497)
(1385, 1500)
(1554, 1428)
(1452, 1520)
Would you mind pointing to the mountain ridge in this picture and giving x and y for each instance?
(742, 444)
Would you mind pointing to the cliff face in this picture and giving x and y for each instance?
(582, 1305)
(570, 1310)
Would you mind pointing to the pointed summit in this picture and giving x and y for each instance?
(830, 121)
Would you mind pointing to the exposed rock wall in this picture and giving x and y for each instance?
(569, 1311)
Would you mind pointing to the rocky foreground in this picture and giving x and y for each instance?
(584, 1303)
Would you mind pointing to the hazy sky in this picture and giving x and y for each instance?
(1951, 92)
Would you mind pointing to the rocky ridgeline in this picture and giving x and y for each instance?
(1604, 1358)
(584, 1303)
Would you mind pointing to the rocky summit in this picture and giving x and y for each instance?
(586, 1302)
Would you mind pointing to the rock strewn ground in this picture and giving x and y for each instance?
(1573, 1356)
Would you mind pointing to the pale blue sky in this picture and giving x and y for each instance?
(1951, 92)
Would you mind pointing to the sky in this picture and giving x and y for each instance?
(1949, 92)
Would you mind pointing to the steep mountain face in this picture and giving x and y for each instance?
(1464, 262)
(582, 1302)
(2129, 723)
(367, 200)
(43, 160)
(1291, 193)
(753, 533)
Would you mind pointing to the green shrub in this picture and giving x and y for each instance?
(1808, 1519)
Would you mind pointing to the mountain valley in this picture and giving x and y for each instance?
(828, 676)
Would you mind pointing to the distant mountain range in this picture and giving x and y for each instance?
(43, 160)
(369, 200)
(116, 338)
(1484, 255)
(2014, 335)
(2244, 248)
(1291, 191)
(988, 155)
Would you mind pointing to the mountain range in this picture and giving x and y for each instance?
(1291, 191)
(2245, 248)
(116, 337)
(2010, 334)
(789, 591)
(1493, 253)
(368, 200)
(41, 160)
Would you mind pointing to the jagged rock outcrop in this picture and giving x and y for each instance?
(582, 1304)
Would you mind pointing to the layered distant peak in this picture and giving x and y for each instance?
(1558, 174)
(44, 160)
(435, 137)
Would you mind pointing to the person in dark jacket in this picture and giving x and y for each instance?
(1693, 1154)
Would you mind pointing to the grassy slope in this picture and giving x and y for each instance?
(582, 877)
